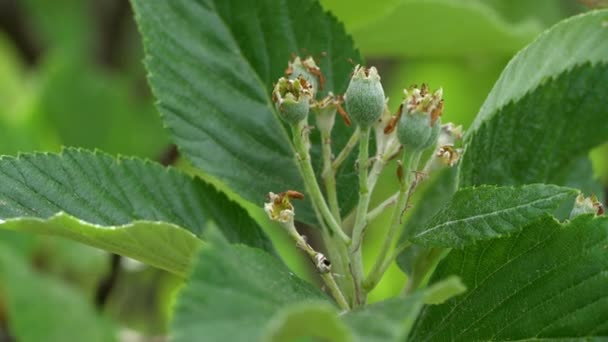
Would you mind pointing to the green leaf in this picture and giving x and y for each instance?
(317, 321)
(578, 174)
(547, 282)
(392, 27)
(233, 293)
(41, 308)
(127, 206)
(117, 120)
(438, 293)
(212, 64)
(487, 212)
(54, 25)
(386, 321)
(160, 244)
(547, 108)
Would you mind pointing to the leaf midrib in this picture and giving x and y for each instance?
(494, 213)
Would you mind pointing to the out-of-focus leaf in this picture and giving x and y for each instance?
(443, 27)
(314, 320)
(41, 308)
(92, 109)
(62, 26)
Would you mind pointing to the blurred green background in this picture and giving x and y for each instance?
(71, 74)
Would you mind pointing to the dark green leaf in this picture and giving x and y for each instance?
(41, 308)
(212, 64)
(487, 212)
(234, 292)
(547, 108)
(128, 206)
(548, 281)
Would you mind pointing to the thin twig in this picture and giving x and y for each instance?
(352, 142)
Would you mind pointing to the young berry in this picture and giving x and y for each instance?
(364, 98)
(420, 118)
(292, 99)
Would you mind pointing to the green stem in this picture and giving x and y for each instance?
(345, 151)
(389, 202)
(310, 181)
(360, 217)
(329, 280)
(409, 163)
(338, 253)
(329, 177)
(327, 277)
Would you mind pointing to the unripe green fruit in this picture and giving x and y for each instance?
(292, 99)
(419, 123)
(435, 130)
(364, 98)
(292, 110)
(414, 130)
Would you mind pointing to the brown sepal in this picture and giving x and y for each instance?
(390, 126)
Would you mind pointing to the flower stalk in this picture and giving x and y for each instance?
(280, 209)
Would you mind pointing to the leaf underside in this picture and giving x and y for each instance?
(128, 206)
(42, 308)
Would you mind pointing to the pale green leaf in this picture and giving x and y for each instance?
(159, 244)
(487, 212)
(128, 206)
(386, 321)
(42, 308)
(233, 294)
(451, 27)
(547, 108)
(314, 320)
(447, 288)
(212, 64)
(546, 282)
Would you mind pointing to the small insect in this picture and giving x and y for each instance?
(322, 263)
